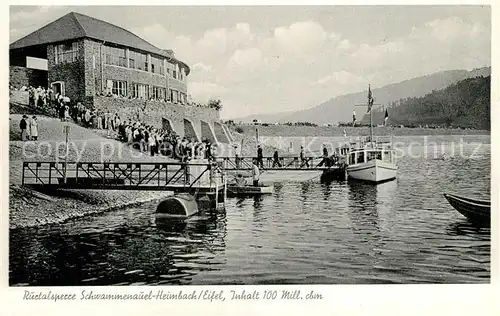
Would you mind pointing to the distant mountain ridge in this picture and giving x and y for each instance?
(339, 109)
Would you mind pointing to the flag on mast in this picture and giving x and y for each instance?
(370, 99)
(345, 134)
(353, 117)
(386, 117)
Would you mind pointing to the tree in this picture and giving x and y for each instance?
(215, 104)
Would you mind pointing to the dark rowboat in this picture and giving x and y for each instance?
(477, 211)
(248, 190)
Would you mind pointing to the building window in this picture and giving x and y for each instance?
(138, 60)
(171, 70)
(115, 56)
(174, 95)
(158, 93)
(140, 91)
(157, 66)
(118, 88)
(66, 53)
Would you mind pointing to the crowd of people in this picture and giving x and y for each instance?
(147, 138)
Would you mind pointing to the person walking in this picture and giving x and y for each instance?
(23, 126)
(255, 173)
(325, 160)
(260, 157)
(33, 128)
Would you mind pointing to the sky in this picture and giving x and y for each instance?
(261, 60)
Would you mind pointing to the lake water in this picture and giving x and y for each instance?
(402, 231)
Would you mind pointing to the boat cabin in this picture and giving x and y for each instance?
(363, 155)
(363, 151)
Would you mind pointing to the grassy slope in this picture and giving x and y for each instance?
(24, 204)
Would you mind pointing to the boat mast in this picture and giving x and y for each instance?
(371, 117)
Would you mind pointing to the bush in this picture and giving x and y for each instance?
(215, 104)
(239, 129)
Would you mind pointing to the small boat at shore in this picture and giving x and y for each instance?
(477, 211)
(248, 190)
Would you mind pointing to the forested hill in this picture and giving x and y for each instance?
(463, 104)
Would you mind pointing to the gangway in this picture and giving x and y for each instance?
(200, 178)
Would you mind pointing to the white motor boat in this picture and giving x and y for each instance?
(370, 159)
(372, 162)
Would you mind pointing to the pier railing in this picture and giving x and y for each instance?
(169, 176)
(269, 163)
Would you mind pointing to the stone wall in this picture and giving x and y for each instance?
(19, 97)
(92, 65)
(153, 112)
(22, 76)
(72, 74)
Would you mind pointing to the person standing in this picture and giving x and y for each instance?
(303, 160)
(237, 155)
(208, 152)
(152, 143)
(276, 159)
(260, 157)
(255, 174)
(66, 112)
(33, 128)
(23, 126)
(31, 93)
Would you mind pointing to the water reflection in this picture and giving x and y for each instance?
(464, 228)
(257, 202)
(401, 231)
(362, 208)
(326, 188)
(170, 252)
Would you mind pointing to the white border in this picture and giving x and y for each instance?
(339, 299)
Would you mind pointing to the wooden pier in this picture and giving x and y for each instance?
(199, 178)
(269, 163)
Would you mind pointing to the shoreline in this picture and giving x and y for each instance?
(335, 131)
(25, 213)
(30, 209)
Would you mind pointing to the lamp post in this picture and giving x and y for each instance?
(66, 131)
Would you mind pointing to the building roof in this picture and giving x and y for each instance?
(75, 25)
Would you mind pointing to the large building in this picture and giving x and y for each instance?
(88, 57)
(109, 68)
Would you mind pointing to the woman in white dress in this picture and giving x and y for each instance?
(33, 128)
